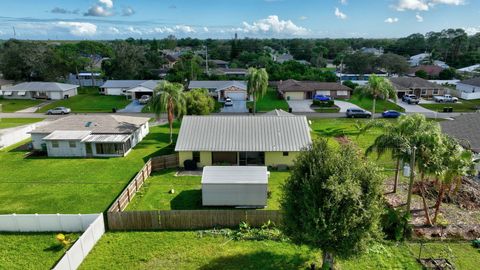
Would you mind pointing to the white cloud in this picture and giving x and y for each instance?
(424, 5)
(128, 11)
(273, 25)
(184, 28)
(79, 28)
(113, 30)
(340, 14)
(177, 29)
(391, 20)
(134, 30)
(303, 18)
(106, 3)
(419, 17)
(205, 29)
(344, 2)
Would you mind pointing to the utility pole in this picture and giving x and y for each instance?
(412, 177)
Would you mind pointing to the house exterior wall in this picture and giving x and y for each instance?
(234, 194)
(429, 93)
(294, 95)
(182, 156)
(114, 91)
(465, 88)
(140, 133)
(28, 95)
(271, 158)
(37, 140)
(64, 149)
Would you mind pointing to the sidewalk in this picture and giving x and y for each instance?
(35, 108)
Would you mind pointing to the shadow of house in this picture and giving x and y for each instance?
(187, 200)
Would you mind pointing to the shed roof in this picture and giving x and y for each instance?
(244, 133)
(41, 86)
(306, 86)
(466, 129)
(235, 175)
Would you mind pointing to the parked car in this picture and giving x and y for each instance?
(358, 113)
(144, 99)
(228, 102)
(445, 99)
(391, 114)
(59, 110)
(322, 98)
(410, 99)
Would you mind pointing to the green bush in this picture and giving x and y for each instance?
(319, 103)
(396, 224)
(350, 84)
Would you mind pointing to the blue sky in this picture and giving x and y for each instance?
(108, 19)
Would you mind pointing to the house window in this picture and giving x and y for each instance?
(435, 91)
(109, 148)
(251, 158)
(424, 91)
(72, 144)
(196, 157)
(285, 154)
(54, 144)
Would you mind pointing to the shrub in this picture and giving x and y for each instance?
(319, 103)
(350, 84)
(396, 224)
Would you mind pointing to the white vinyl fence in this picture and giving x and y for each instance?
(92, 226)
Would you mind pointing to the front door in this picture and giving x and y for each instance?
(88, 148)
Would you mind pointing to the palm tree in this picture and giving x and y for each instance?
(257, 84)
(379, 87)
(169, 97)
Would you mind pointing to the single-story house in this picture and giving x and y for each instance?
(417, 86)
(431, 70)
(132, 89)
(85, 79)
(474, 69)
(90, 135)
(40, 90)
(218, 63)
(418, 59)
(264, 140)
(230, 72)
(236, 90)
(300, 90)
(245, 186)
(469, 89)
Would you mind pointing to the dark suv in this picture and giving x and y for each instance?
(354, 113)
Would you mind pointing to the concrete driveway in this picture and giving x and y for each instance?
(343, 105)
(300, 106)
(239, 106)
(412, 108)
(133, 107)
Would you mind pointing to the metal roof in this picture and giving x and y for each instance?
(243, 133)
(235, 175)
(214, 84)
(41, 86)
(278, 112)
(67, 135)
(122, 83)
(106, 138)
(96, 123)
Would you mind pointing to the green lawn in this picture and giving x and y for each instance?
(188, 194)
(187, 250)
(15, 122)
(13, 105)
(72, 185)
(366, 103)
(89, 100)
(461, 106)
(270, 102)
(29, 251)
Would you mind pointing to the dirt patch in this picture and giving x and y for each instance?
(343, 140)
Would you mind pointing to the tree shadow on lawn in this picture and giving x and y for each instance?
(258, 260)
(335, 132)
(187, 200)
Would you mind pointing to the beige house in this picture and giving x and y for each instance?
(268, 140)
(300, 90)
(417, 86)
(235, 90)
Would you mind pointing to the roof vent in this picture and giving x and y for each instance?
(88, 124)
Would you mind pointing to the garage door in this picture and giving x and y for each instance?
(236, 95)
(325, 93)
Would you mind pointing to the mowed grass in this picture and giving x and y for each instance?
(366, 103)
(270, 102)
(155, 195)
(15, 122)
(13, 105)
(29, 250)
(72, 185)
(461, 106)
(89, 100)
(187, 250)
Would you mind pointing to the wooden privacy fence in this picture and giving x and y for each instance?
(189, 219)
(152, 165)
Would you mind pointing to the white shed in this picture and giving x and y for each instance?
(244, 186)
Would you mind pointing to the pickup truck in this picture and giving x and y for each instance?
(445, 99)
(410, 99)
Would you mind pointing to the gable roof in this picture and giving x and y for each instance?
(470, 68)
(431, 70)
(41, 86)
(96, 123)
(305, 86)
(403, 83)
(466, 129)
(215, 84)
(243, 133)
(122, 83)
(473, 81)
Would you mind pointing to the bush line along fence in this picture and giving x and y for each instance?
(117, 219)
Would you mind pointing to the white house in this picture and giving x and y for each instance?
(417, 60)
(470, 69)
(90, 135)
(236, 90)
(85, 79)
(40, 90)
(133, 89)
(469, 89)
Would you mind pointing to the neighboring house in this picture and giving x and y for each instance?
(475, 69)
(282, 58)
(469, 89)
(236, 90)
(300, 90)
(360, 79)
(132, 89)
(441, 64)
(418, 59)
(374, 51)
(417, 86)
(231, 72)
(5, 84)
(90, 135)
(218, 63)
(40, 90)
(431, 70)
(263, 140)
(85, 79)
